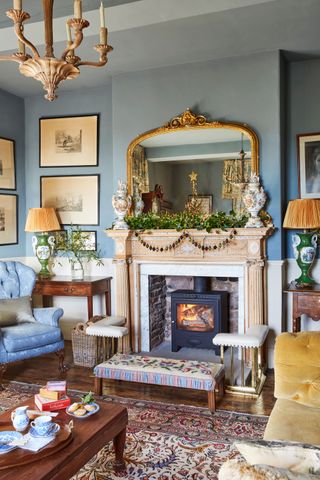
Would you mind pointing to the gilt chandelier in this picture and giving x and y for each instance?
(49, 70)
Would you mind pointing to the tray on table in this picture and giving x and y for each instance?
(19, 456)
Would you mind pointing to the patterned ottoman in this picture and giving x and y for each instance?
(163, 371)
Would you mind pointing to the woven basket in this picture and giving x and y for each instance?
(87, 350)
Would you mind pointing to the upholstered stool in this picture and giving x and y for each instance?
(253, 341)
(109, 328)
(163, 371)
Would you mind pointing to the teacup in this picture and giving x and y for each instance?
(43, 425)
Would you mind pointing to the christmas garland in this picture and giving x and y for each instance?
(182, 221)
(186, 236)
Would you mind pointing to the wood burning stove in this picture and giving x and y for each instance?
(198, 315)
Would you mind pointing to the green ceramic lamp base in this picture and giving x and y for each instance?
(43, 249)
(304, 247)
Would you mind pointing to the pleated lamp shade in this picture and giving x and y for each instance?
(303, 213)
(42, 220)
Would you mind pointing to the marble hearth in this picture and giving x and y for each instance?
(243, 259)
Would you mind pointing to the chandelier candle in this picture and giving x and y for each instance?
(102, 17)
(17, 4)
(78, 8)
(49, 69)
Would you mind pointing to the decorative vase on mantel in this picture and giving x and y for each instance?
(254, 199)
(121, 202)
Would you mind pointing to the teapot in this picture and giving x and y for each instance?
(20, 419)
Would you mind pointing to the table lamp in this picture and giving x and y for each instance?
(304, 214)
(41, 221)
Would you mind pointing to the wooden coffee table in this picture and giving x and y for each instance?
(89, 436)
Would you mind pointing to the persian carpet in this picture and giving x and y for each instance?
(164, 441)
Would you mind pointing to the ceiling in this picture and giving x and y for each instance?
(153, 33)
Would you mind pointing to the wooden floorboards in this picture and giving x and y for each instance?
(39, 370)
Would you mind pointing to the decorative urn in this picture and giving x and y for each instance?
(121, 202)
(254, 199)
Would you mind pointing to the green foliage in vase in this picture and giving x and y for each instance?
(73, 243)
(185, 220)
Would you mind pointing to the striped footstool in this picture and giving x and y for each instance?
(163, 371)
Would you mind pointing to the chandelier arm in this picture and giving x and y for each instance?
(92, 64)
(103, 51)
(19, 34)
(12, 58)
(78, 24)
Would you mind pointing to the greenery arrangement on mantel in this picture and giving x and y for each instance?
(186, 221)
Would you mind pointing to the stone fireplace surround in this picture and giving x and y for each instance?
(243, 258)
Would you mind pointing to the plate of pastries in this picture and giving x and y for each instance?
(84, 408)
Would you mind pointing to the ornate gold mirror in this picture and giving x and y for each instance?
(192, 156)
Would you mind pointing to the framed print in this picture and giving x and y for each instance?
(8, 219)
(75, 198)
(206, 202)
(69, 141)
(89, 240)
(308, 147)
(7, 165)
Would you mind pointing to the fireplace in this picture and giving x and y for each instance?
(198, 315)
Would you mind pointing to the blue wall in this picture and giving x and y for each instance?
(303, 115)
(73, 103)
(245, 89)
(12, 126)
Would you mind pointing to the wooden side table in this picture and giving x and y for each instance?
(64, 286)
(306, 301)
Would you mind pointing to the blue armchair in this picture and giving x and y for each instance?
(29, 339)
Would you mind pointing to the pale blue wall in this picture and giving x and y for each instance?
(73, 103)
(245, 89)
(303, 114)
(12, 126)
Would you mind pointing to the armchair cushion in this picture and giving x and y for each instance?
(48, 316)
(16, 280)
(297, 457)
(239, 470)
(295, 422)
(15, 310)
(297, 368)
(29, 335)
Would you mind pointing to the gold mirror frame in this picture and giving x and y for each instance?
(189, 121)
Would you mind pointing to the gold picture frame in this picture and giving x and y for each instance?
(206, 202)
(74, 197)
(8, 219)
(69, 141)
(7, 164)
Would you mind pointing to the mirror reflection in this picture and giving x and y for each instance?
(205, 168)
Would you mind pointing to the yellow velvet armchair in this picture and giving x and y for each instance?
(296, 414)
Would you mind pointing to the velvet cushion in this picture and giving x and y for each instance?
(297, 367)
(29, 335)
(15, 310)
(293, 456)
(238, 470)
(293, 421)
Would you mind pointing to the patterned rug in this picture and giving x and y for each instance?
(164, 441)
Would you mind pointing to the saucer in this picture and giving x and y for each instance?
(52, 433)
(6, 438)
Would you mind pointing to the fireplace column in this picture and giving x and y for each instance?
(122, 297)
(255, 292)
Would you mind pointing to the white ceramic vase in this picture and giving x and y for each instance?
(121, 202)
(254, 199)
